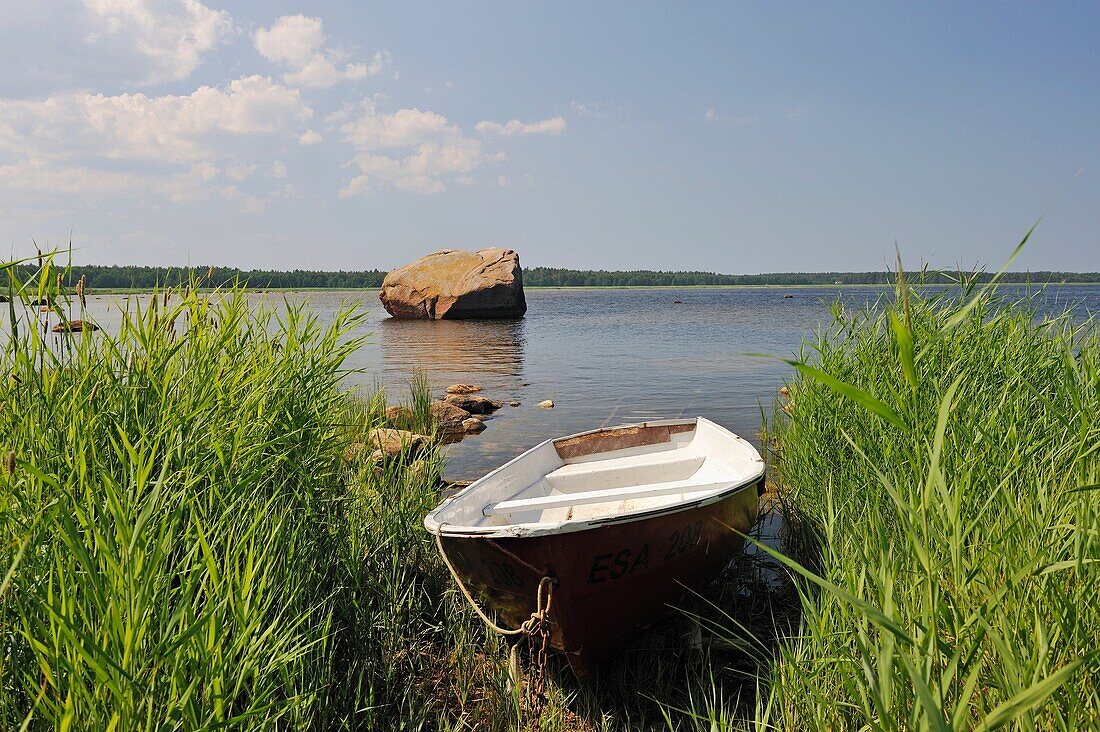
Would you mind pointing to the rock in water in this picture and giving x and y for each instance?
(547, 404)
(474, 404)
(473, 424)
(74, 326)
(457, 284)
(449, 416)
(463, 388)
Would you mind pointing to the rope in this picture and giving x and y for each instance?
(528, 625)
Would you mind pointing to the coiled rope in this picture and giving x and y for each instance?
(534, 627)
(528, 626)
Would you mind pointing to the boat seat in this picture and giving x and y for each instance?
(608, 495)
(674, 459)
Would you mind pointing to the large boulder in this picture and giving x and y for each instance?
(456, 284)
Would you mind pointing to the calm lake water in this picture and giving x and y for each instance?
(604, 356)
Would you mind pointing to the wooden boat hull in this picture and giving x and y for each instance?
(612, 579)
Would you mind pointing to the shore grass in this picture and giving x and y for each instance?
(187, 542)
(945, 450)
(192, 537)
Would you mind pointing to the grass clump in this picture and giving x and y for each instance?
(948, 458)
(185, 542)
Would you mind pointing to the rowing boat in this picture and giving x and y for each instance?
(620, 522)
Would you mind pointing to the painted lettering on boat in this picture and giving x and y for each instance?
(684, 540)
(616, 565)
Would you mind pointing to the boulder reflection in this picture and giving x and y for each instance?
(485, 352)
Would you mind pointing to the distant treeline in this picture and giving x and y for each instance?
(113, 277)
(554, 277)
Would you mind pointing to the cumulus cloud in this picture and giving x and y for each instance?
(171, 35)
(309, 137)
(298, 44)
(169, 128)
(410, 149)
(175, 146)
(552, 126)
(40, 180)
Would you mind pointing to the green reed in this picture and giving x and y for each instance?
(187, 541)
(945, 450)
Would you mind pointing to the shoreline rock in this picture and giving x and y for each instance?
(474, 404)
(74, 326)
(393, 443)
(463, 388)
(449, 417)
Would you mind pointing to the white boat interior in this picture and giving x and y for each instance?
(571, 483)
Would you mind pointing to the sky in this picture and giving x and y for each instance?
(729, 137)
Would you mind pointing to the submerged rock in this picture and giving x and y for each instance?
(474, 404)
(463, 388)
(547, 404)
(513, 403)
(457, 284)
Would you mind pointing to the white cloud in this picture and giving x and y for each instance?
(169, 128)
(248, 202)
(411, 149)
(298, 44)
(172, 35)
(503, 181)
(240, 171)
(175, 146)
(552, 126)
(713, 116)
(309, 137)
(278, 169)
(41, 179)
(589, 109)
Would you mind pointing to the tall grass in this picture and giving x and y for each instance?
(184, 543)
(948, 458)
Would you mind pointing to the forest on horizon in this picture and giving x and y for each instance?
(124, 277)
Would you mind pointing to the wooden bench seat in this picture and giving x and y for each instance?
(610, 495)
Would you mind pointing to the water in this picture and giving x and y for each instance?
(604, 356)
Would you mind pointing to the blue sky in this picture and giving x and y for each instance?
(717, 136)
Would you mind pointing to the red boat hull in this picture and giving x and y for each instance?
(612, 579)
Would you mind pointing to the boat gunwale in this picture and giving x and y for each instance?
(569, 526)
